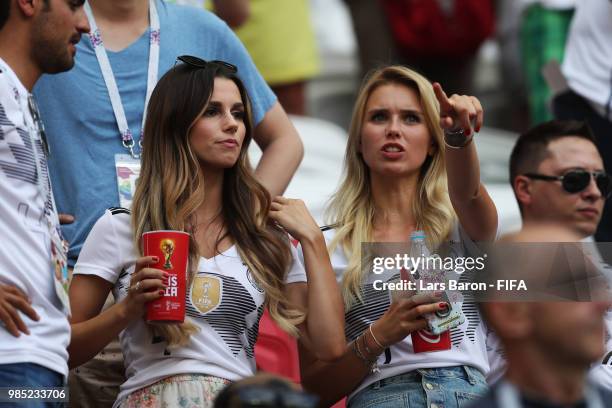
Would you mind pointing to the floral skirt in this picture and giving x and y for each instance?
(180, 391)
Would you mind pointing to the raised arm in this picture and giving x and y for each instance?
(282, 150)
(460, 117)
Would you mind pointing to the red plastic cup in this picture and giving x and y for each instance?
(424, 341)
(172, 251)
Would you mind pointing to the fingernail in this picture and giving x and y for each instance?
(468, 132)
(166, 275)
(442, 305)
(155, 259)
(161, 292)
(478, 130)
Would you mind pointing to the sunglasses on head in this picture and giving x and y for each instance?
(575, 181)
(200, 63)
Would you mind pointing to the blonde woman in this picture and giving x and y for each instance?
(410, 165)
(196, 177)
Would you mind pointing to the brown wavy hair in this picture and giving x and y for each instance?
(171, 188)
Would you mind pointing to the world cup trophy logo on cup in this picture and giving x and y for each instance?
(171, 248)
(167, 247)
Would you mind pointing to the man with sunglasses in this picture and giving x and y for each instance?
(94, 117)
(587, 66)
(36, 37)
(558, 177)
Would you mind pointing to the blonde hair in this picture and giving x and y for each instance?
(351, 208)
(171, 188)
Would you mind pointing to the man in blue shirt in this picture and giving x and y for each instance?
(81, 125)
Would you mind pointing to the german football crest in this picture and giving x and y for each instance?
(253, 282)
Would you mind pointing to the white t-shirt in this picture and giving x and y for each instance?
(467, 340)
(25, 251)
(496, 356)
(228, 324)
(601, 371)
(587, 64)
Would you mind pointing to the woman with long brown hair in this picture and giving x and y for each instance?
(196, 178)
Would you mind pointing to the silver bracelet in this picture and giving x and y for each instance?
(374, 369)
(372, 365)
(456, 139)
(375, 339)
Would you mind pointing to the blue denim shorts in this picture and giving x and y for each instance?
(447, 387)
(28, 375)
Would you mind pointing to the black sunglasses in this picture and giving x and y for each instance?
(575, 181)
(200, 63)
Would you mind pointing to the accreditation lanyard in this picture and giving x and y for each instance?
(127, 138)
(59, 246)
(508, 396)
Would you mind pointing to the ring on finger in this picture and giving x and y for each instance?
(136, 287)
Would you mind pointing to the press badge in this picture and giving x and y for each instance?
(127, 170)
(59, 261)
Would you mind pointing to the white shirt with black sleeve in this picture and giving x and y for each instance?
(468, 340)
(228, 318)
(26, 205)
